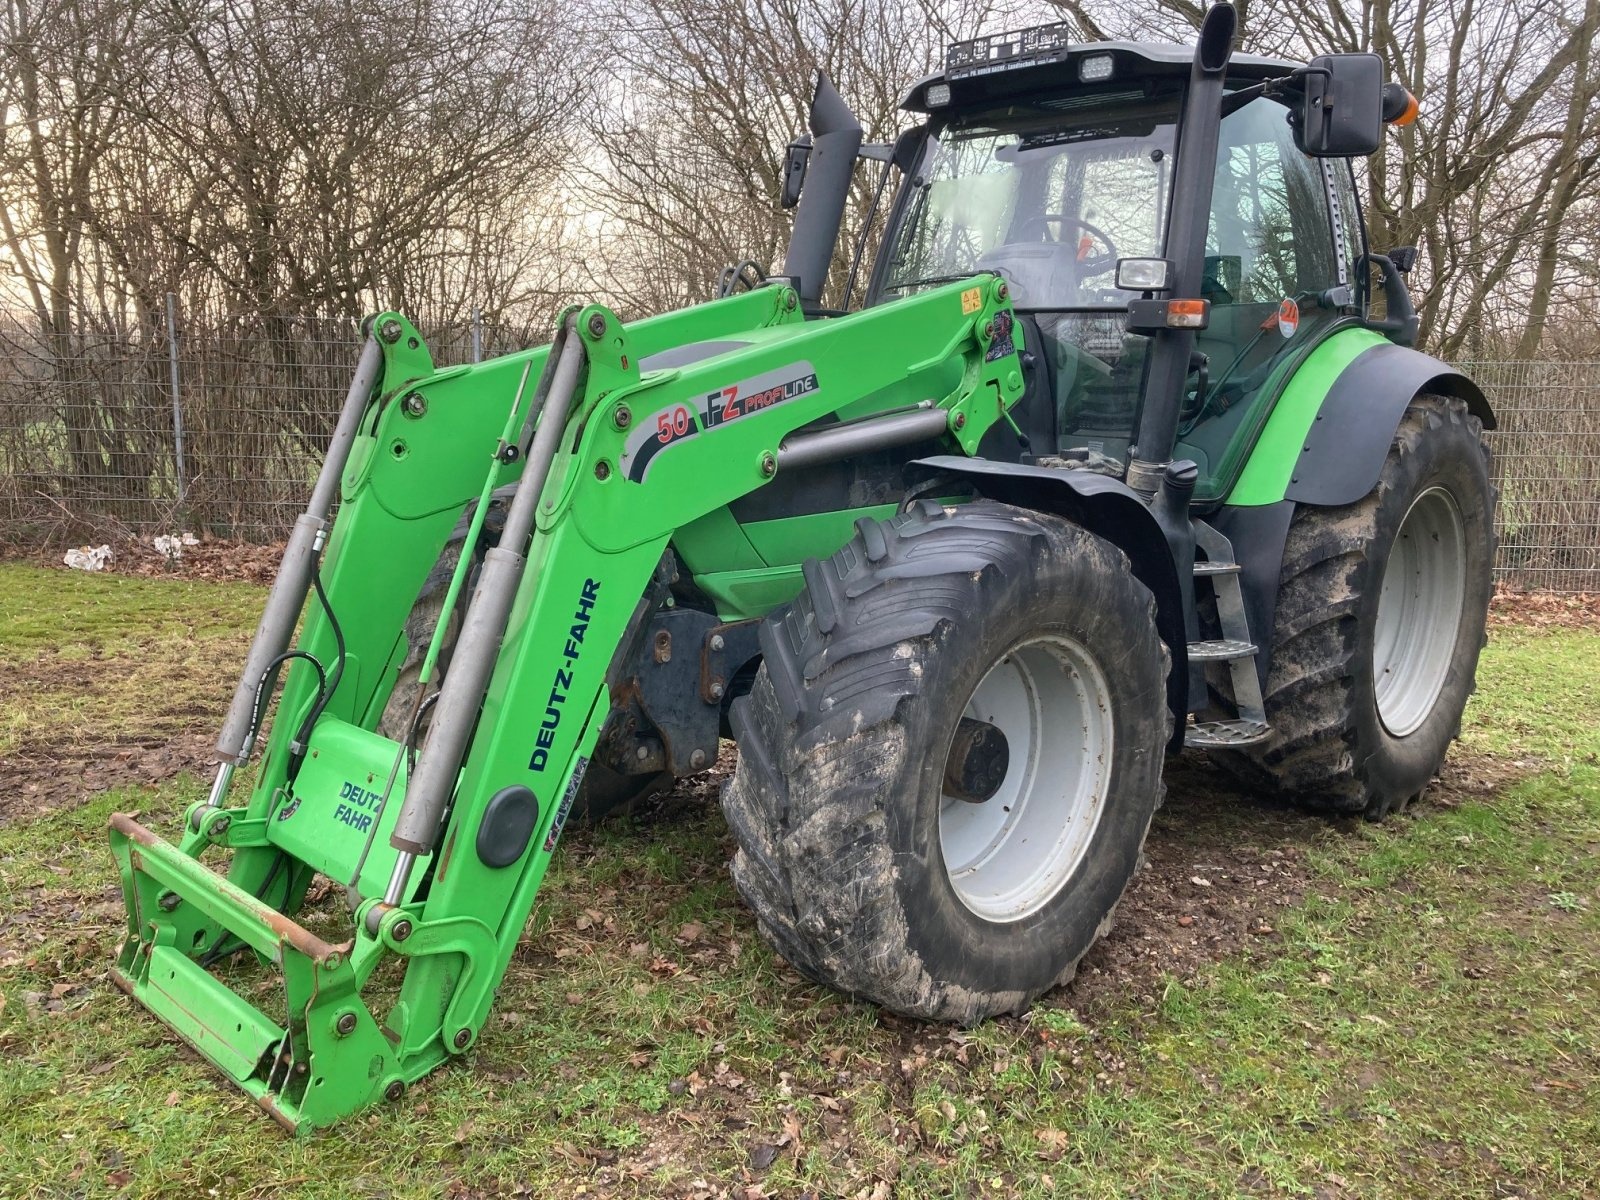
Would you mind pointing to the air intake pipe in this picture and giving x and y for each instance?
(835, 141)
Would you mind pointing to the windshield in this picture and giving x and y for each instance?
(1050, 201)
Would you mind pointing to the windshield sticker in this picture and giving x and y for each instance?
(680, 422)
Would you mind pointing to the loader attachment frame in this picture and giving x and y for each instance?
(446, 846)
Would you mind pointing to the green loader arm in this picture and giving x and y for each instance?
(641, 454)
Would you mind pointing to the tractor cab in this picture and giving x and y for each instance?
(1050, 165)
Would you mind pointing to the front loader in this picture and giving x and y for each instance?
(1096, 471)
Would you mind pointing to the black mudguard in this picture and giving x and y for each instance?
(1107, 508)
(1348, 442)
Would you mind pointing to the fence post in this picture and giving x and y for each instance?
(477, 334)
(177, 404)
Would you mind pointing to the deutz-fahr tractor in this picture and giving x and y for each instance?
(1122, 448)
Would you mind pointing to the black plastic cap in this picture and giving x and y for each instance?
(508, 823)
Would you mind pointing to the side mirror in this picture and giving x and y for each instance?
(908, 148)
(794, 170)
(1341, 111)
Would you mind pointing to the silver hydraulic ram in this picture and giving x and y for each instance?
(834, 443)
(478, 646)
(289, 589)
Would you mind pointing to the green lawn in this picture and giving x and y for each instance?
(1417, 1016)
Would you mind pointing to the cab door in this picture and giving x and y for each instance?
(1275, 279)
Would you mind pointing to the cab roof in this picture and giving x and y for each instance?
(1061, 69)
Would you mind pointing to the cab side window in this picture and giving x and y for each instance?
(1269, 216)
(1269, 258)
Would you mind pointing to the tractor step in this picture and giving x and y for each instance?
(1235, 647)
(1220, 650)
(1226, 734)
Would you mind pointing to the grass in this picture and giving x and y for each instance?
(82, 655)
(1421, 1020)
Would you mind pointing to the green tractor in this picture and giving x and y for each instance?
(1117, 455)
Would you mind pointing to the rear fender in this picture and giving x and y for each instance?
(1344, 442)
(1107, 508)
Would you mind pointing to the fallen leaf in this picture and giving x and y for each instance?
(1053, 1143)
(763, 1155)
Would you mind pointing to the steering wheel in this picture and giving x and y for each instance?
(1037, 227)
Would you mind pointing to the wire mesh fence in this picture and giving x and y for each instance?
(123, 431)
(93, 427)
(1547, 467)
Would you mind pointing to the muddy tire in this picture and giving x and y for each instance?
(861, 867)
(1380, 618)
(604, 792)
(420, 623)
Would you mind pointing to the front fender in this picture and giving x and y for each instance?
(1107, 508)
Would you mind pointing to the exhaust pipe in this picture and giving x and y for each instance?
(835, 140)
(1199, 131)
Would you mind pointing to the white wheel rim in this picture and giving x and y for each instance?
(1419, 611)
(1008, 856)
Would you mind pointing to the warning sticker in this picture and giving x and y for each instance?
(971, 301)
(1288, 318)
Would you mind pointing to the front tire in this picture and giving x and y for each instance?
(862, 867)
(1380, 618)
(604, 791)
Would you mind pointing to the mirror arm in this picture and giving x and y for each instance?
(1401, 322)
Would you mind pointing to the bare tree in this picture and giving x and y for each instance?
(707, 95)
(1492, 178)
(61, 91)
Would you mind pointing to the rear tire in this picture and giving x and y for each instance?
(862, 870)
(1380, 618)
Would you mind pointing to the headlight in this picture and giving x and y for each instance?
(1144, 274)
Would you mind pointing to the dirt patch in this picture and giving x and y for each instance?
(1219, 866)
(34, 782)
(106, 721)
